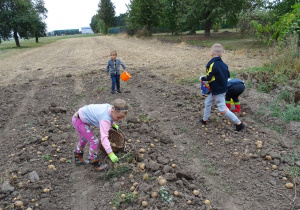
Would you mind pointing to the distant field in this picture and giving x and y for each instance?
(8, 48)
(229, 38)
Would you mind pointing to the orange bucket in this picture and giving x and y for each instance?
(125, 76)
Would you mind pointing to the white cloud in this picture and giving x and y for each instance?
(74, 14)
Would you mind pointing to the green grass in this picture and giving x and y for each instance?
(46, 157)
(189, 81)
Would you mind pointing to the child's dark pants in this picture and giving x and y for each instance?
(234, 91)
(115, 79)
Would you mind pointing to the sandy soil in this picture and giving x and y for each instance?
(43, 87)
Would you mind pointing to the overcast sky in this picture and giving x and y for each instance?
(74, 14)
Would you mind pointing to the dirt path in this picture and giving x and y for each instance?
(42, 88)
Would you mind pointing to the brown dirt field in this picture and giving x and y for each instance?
(42, 88)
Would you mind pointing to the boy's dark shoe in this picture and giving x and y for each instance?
(203, 122)
(112, 92)
(240, 127)
(119, 91)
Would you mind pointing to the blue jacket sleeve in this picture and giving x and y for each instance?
(107, 67)
(124, 67)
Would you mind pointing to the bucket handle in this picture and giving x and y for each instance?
(207, 86)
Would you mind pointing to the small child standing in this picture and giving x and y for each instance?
(113, 66)
(102, 116)
(217, 74)
(235, 88)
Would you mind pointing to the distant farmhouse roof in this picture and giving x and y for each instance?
(86, 30)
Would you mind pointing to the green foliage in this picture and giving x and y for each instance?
(106, 14)
(104, 18)
(116, 172)
(164, 194)
(123, 197)
(80, 96)
(46, 157)
(144, 117)
(22, 18)
(120, 168)
(143, 15)
(287, 25)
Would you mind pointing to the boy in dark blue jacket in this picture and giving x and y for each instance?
(217, 75)
(235, 88)
(113, 65)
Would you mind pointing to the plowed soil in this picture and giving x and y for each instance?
(42, 88)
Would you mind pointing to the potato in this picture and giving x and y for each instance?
(196, 192)
(189, 202)
(258, 142)
(46, 190)
(132, 189)
(145, 177)
(259, 146)
(135, 184)
(123, 195)
(130, 176)
(152, 145)
(207, 202)
(162, 182)
(268, 157)
(173, 165)
(154, 194)
(274, 167)
(144, 203)
(52, 167)
(142, 150)
(18, 204)
(289, 185)
(142, 166)
(235, 154)
(176, 193)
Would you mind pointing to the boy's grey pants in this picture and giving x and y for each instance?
(220, 99)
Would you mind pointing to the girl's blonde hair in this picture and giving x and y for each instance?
(217, 50)
(120, 105)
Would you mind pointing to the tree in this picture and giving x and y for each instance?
(21, 18)
(287, 25)
(39, 24)
(93, 24)
(170, 15)
(217, 11)
(106, 13)
(120, 20)
(143, 14)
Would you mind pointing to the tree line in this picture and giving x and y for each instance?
(22, 18)
(268, 19)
